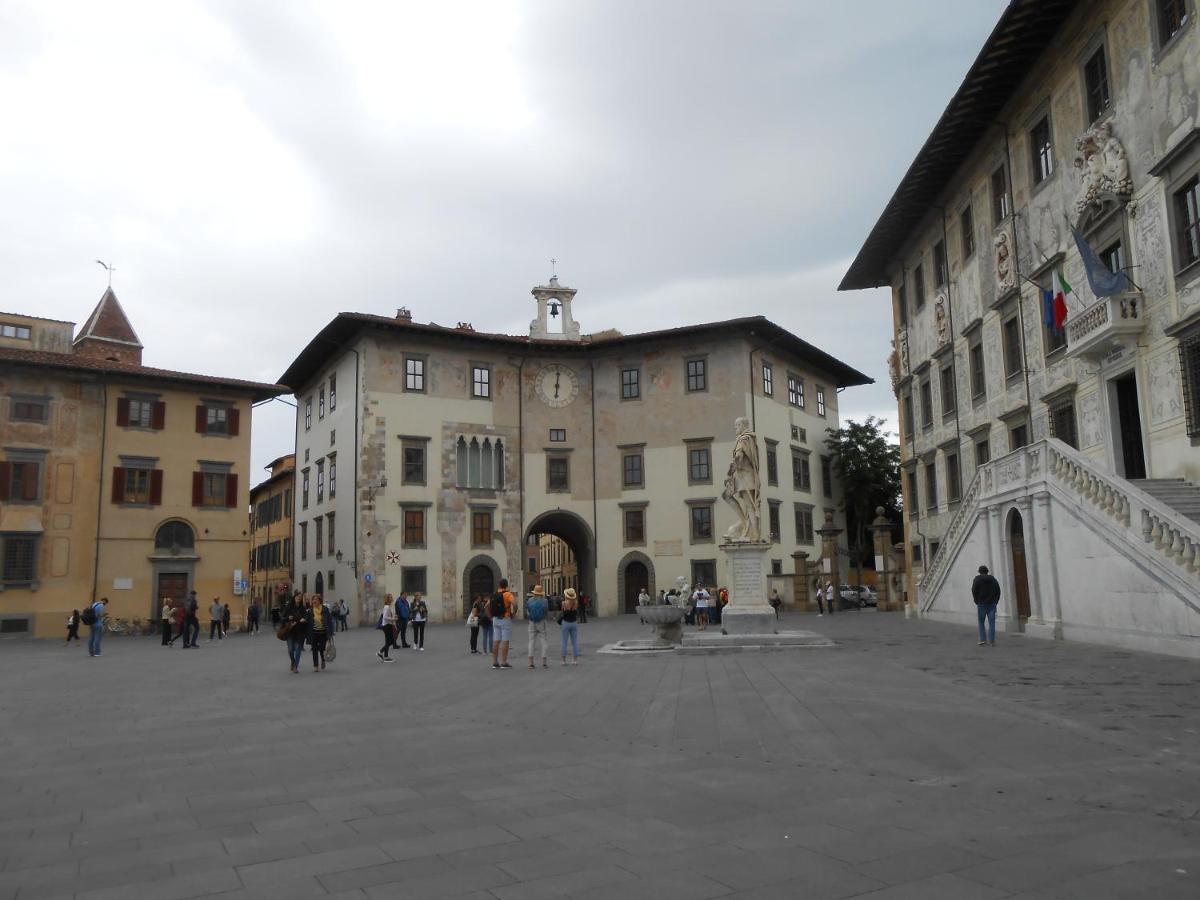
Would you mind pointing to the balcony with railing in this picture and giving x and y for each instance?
(1111, 323)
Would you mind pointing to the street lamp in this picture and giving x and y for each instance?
(353, 564)
(372, 490)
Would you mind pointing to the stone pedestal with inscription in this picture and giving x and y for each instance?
(748, 611)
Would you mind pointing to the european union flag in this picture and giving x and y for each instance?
(1103, 281)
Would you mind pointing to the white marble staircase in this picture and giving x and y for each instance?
(1182, 496)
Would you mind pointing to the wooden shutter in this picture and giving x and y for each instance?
(197, 489)
(231, 490)
(201, 419)
(118, 488)
(233, 416)
(156, 487)
(29, 481)
(5, 479)
(122, 411)
(158, 415)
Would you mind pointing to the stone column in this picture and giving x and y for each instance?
(748, 611)
(1032, 578)
(881, 531)
(1049, 584)
(800, 580)
(831, 564)
(899, 580)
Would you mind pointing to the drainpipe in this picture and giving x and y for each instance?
(953, 355)
(521, 461)
(595, 530)
(1016, 257)
(358, 393)
(100, 492)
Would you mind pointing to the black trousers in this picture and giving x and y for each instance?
(215, 628)
(404, 632)
(474, 638)
(319, 639)
(72, 632)
(166, 632)
(389, 639)
(418, 634)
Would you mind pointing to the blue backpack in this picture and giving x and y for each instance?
(535, 609)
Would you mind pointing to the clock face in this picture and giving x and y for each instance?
(557, 385)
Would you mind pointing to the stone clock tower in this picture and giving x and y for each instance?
(554, 300)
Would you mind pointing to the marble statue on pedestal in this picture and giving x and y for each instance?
(743, 485)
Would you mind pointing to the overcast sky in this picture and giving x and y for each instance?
(252, 168)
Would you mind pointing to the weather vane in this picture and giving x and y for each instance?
(553, 263)
(109, 269)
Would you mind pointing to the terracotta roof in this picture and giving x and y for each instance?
(1025, 30)
(108, 322)
(345, 326)
(78, 363)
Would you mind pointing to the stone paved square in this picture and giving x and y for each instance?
(905, 762)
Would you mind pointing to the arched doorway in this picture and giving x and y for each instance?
(319, 585)
(481, 575)
(577, 535)
(174, 562)
(634, 572)
(1016, 539)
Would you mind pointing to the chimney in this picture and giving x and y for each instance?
(404, 313)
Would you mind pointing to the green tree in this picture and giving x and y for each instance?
(868, 466)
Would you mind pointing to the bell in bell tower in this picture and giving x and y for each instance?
(554, 320)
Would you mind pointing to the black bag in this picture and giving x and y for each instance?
(89, 616)
(497, 605)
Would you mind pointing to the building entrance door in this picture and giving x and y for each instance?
(482, 584)
(637, 579)
(173, 585)
(1132, 463)
(1020, 574)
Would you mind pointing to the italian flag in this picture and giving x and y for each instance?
(1060, 302)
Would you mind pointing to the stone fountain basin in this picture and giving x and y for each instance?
(662, 615)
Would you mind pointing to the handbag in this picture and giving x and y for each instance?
(330, 650)
(472, 621)
(283, 630)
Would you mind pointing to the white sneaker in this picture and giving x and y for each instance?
(820, 614)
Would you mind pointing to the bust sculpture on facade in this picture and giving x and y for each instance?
(1005, 276)
(903, 353)
(941, 319)
(1103, 166)
(742, 484)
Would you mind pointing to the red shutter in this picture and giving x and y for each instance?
(201, 419)
(197, 489)
(158, 415)
(118, 490)
(234, 415)
(5, 479)
(29, 482)
(156, 487)
(231, 490)
(122, 411)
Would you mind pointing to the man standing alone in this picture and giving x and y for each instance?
(985, 591)
(191, 622)
(502, 621)
(95, 622)
(216, 614)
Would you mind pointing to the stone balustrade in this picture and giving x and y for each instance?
(1108, 324)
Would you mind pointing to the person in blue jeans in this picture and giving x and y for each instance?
(97, 626)
(568, 621)
(985, 591)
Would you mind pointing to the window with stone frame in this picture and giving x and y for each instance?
(18, 559)
(941, 271)
(631, 469)
(914, 498)
(20, 332)
(804, 525)
(919, 286)
(635, 526)
(332, 541)
(1041, 150)
(1018, 436)
(795, 390)
(1189, 364)
(332, 395)
(953, 478)
(303, 541)
(320, 480)
(1000, 204)
(631, 383)
(697, 375)
(926, 404)
(1187, 223)
(978, 375)
(1062, 422)
(218, 420)
(826, 476)
(318, 537)
(558, 474)
(414, 462)
(704, 572)
(701, 516)
(308, 414)
(139, 413)
(28, 409)
(983, 452)
(332, 475)
(414, 526)
(820, 395)
(1095, 76)
(481, 382)
(949, 391)
(966, 224)
(1011, 338)
(910, 424)
(768, 379)
(773, 520)
(21, 480)
(699, 464)
(1172, 16)
(558, 435)
(481, 528)
(304, 489)
(414, 374)
(412, 579)
(137, 484)
(801, 476)
(772, 464)
(321, 403)
(214, 488)
(931, 492)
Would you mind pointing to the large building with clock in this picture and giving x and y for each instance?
(433, 458)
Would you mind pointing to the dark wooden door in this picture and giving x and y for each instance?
(173, 585)
(319, 585)
(481, 583)
(1020, 572)
(636, 578)
(1129, 421)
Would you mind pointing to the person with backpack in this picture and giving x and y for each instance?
(403, 617)
(93, 617)
(387, 622)
(419, 613)
(535, 612)
(501, 609)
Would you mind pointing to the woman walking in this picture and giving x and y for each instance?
(294, 619)
(419, 612)
(473, 624)
(388, 620)
(318, 620)
(73, 626)
(485, 624)
(568, 620)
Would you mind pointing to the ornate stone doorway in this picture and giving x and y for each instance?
(635, 572)
(1131, 457)
(1016, 536)
(481, 576)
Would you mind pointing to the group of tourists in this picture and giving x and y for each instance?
(307, 619)
(494, 617)
(394, 620)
